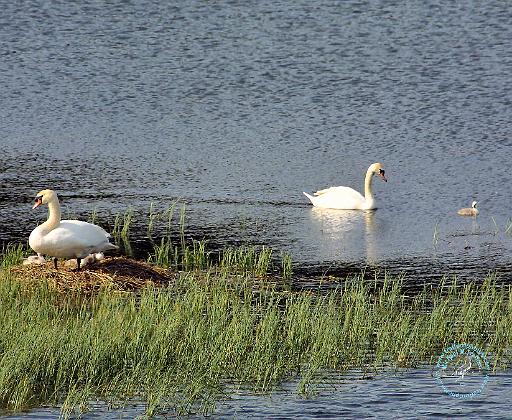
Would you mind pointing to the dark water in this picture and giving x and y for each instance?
(238, 107)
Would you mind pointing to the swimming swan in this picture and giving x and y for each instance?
(65, 238)
(346, 198)
(469, 211)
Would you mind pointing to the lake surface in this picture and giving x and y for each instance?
(238, 107)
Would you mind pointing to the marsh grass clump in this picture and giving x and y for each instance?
(253, 260)
(242, 260)
(286, 265)
(185, 257)
(246, 260)
(195, 257)
(123, 329)
(174, 250)
(176, 346)
(508, 227)
(164, 254)
(122, 224)
(12, 254)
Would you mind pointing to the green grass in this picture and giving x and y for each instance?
(164, 254)
(12, 254)
(246, 260)
(93, 218)
(508, 228)
(185, 257)
(122, 224)
(286, 265)
(152, 218)
(256, 261)
(181, 255)
(173, 250)
(229, 318)
(176, 348)
(496, 228)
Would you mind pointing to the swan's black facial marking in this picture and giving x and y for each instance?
(382, 174)
(38, 201)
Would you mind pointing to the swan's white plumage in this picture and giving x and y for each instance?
(338, 198)
(66, 238)
(70, 239)
(346, 198)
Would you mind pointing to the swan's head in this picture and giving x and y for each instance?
(44, 197)
(378, 169)
(473, 204)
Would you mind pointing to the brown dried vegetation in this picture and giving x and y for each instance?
(118, 273)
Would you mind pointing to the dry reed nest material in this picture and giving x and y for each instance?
(119, 273)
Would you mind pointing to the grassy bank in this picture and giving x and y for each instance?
(174, 344)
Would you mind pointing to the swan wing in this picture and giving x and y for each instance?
(345, 198)
(324, 191)
(75, 239)
(85, 225)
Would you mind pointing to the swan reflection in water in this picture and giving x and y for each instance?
(347, 233)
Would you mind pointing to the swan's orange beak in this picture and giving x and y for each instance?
(39, 201)
(382, 175)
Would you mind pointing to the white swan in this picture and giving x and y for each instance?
(469, 211)
(66, 238)
(346, 198)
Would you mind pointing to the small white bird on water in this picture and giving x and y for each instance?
(346, 198)
(469, 211)
(66, 238)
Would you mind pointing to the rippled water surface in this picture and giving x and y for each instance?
(238, 107)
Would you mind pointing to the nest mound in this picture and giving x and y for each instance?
(119, 273)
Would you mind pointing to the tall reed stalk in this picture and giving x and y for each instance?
(152, 218)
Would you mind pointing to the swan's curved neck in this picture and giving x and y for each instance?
(368, 195)
(53, 215)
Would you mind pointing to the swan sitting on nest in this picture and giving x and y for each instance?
(66, 238)
(346, 198)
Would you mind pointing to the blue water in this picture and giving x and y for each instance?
(238, 107)
(404, 395)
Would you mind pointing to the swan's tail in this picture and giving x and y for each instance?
(311, 198)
